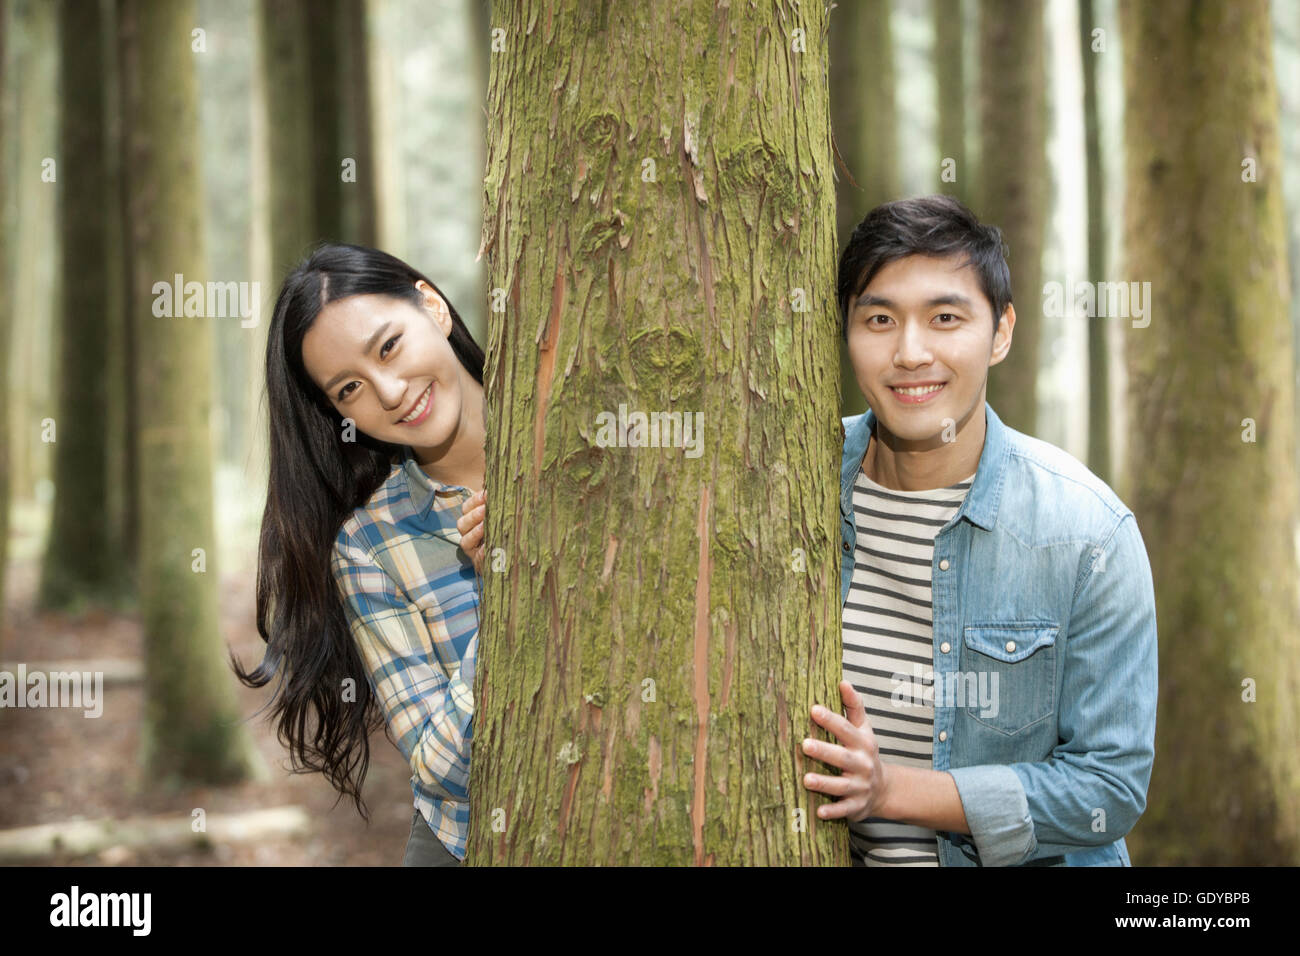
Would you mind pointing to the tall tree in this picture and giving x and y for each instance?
(35, 289)
(338, 88)
(950, 90)
(1098, 353)
(79, 565)
(6, 313)
(282, 43)
(123, 502)
(864, 120)
(192, 730)
(1212, 441)
(1013, 188)
(660, 619)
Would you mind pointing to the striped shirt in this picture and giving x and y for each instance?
(888, 652)
(411, 601)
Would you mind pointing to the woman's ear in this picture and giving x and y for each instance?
(436, 306)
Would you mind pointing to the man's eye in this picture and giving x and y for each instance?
(345, 391)
(384, 351)
(947, 315)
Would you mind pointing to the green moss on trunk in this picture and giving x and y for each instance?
(658, 191)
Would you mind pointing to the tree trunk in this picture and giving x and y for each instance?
(864, 120)
(6, 313)
(660, 619)
(950, 89)
(1098, 353)
(283, 47)
(1212, 445)
(1013, 187)
(32, 272)
(353, 87)
(123, 476)
(192, 728)
(78, 565)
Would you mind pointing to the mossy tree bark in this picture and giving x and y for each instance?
(1013, 188)
(659, 218)
(1212, 443)
(78, 564)
(192, 728)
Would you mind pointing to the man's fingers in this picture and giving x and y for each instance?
(836, 724)
(857, 714)
(835, 786)
(849, 807)
(832, 754)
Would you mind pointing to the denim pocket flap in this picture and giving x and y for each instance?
(1010, 643)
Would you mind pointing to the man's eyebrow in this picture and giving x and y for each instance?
(949, 298)
(370, 344)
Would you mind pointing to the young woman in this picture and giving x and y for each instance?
(372, 538)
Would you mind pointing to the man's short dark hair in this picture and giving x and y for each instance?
(927, 226)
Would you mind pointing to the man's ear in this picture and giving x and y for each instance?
(1002, 337)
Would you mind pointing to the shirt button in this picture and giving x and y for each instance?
(1011, 646)
(943, 565)
(943, 735)
(945, 647)
(846, 546)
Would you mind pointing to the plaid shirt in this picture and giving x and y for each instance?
(411, 600)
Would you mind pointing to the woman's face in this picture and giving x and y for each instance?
(387, 365)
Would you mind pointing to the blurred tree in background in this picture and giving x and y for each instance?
(1212, 436)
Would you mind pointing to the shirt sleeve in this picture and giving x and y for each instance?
(428, 710)
(1093, 788)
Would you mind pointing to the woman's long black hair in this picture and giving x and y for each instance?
(316, 480)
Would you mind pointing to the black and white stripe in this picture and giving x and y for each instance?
(888, 639)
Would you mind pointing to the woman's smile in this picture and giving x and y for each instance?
(421, 410)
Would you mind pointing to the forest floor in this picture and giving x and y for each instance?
(58, 765)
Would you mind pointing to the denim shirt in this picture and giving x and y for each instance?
(1042, 594)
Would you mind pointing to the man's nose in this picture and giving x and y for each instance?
(913, 349)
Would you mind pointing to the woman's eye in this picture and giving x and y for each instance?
(346, 390)
(384, 351)
(871, 318)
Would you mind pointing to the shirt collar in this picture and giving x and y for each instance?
(422, 488)
(981, 503)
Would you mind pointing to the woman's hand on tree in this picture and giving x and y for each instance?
(471, 524)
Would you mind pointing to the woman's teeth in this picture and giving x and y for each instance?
(419, 409)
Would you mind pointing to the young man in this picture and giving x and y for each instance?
(999, 617)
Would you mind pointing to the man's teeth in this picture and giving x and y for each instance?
(923, 390)
(419, 409)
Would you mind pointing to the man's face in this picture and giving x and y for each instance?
(921, 340)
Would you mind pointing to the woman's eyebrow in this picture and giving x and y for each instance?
(370, 344)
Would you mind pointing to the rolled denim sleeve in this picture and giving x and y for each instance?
(993, 799)
(1093, 788)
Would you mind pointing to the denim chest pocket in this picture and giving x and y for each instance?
(1015, 674)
